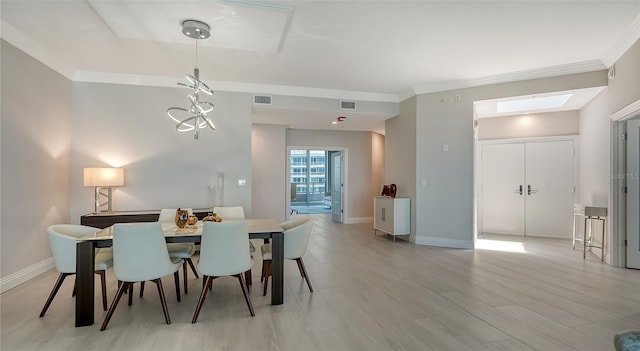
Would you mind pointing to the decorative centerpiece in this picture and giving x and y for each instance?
(192, 220)
(212, 217)
(389, 190)
(182, 216)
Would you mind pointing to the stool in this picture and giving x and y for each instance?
(578, 211)
(594, 214)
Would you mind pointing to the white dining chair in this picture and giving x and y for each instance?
(235, 213)
(62, 240)
(296, 239)
(224, 252)
(140, 254)
(229, 213)
(184, 251)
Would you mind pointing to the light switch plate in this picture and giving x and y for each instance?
(242, 182)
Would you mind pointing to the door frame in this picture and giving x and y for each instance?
(345, 180)
(617, 227)
(576, 176)
(340, 154)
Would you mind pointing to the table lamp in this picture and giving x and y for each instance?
(103, 179)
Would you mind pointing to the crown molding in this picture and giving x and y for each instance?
(615, 52)
(240, 87)
(406, 94)
(33, 49)
(626, 112)
(553, 71)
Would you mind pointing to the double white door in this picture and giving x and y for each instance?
(527, 188)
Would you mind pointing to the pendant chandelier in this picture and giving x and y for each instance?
(195, 117)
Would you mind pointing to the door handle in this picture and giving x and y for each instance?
(531, 191)
(519, 190)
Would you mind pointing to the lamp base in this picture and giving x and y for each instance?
(106, 205)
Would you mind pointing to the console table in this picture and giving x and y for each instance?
(106, 219)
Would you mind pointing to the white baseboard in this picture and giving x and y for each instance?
(441, 242)
(21, 276)
(357, 220)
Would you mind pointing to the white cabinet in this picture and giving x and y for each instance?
(392, 215)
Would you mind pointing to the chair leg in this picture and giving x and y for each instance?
(267, 273)
(130, 289)
(304, 272)
(193, 268)
(141, 289)
(206, 286)
(246, 294)
(300, 268)
(54, 291)
(184, 276)
(163, 300)
(247, 278)
(123, 286)
(176, 279)
(262, 272)
(103, 282)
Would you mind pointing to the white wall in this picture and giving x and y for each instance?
(444, 207)
(594, 127)
(377, 162)
(594, 160)
(36, 116)
(359, 148)
(269, 161)
(400, 155)
(126, 126)
(530, 125)
(595, 134)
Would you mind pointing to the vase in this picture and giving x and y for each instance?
(182, 216)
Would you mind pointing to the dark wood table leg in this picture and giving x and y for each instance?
(85, 297)
(277, 269)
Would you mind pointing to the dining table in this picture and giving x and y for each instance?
(85, 260)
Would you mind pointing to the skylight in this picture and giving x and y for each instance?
(533, 104)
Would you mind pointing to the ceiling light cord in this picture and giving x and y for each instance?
(197, 40)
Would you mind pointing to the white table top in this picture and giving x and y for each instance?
(170, 229)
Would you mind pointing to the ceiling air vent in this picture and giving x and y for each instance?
(262, 99)
(348, 105)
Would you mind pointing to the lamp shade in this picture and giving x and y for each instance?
(103, 176)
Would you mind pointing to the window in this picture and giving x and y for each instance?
(308, 172)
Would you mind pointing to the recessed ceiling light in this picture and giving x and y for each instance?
(532, 104)
(334, 122)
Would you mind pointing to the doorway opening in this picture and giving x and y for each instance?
(526, 172)
(309, 181)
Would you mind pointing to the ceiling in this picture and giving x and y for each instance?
(368, 50)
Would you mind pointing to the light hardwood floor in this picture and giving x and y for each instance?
(370, 294)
